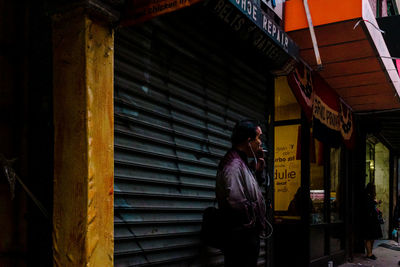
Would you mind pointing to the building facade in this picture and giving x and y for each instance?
(118, 113)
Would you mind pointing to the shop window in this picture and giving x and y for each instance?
(336, 201)
(286, 106)
(287, 174)
(370, 161)
(336, 194)
(317, 188)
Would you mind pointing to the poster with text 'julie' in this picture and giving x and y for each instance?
(287, 166)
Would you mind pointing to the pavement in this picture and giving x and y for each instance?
(386, 251)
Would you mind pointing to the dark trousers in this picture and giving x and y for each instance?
(242, 248)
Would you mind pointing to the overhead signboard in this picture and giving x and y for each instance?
(245, 17)
(252, 10)
(253, 25)
(137, 11)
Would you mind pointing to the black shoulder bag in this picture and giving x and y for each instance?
(213, 230)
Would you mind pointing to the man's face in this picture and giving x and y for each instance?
(256, 143)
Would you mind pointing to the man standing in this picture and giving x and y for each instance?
(239, 196)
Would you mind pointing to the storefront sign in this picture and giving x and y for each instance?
(254, 26)
(326, 123)
(331, 118)
(245, 17)
(252, 10)
(326, 115)
(141, 10)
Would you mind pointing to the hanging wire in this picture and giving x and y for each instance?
(376, 27)
(390, 57)
(11, 176)
(9, 173)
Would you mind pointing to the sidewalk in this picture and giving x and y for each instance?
(383, 250)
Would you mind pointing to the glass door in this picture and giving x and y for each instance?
(317, 215)
(326, 200)
(290, 228)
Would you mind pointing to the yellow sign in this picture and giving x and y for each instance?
(141, 10)
(287, 166)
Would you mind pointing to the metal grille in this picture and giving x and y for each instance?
(177, 97)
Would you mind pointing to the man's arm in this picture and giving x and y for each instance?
(239, 206)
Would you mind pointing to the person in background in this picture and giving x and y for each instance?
(239, 196)
(296, 206)
(396, 214)
(396, 218)
(371, 228)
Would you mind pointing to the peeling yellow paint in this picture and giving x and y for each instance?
(83, 156)
(94, 244)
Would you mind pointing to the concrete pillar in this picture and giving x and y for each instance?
(382, 183)
(83, 149)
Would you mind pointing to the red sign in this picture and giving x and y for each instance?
(331, 118)
(302, 87)
(346, 124)
(326, 122)
(137, 11)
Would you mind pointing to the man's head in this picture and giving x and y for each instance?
(246, 136)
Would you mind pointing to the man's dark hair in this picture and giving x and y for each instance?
(243, 130)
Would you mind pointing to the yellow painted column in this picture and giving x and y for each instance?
(83, 151)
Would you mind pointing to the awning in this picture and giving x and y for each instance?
(355, 58)
(386, 124)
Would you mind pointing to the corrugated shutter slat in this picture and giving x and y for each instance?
(174, 112)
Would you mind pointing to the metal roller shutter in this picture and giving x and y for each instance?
(177, 97)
